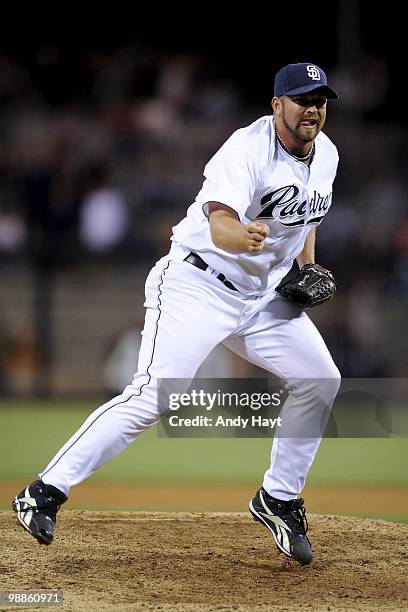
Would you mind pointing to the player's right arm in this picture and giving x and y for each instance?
(229, 234)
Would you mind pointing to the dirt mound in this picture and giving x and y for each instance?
(207, 561)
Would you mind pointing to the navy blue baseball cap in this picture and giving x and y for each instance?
(295, 79)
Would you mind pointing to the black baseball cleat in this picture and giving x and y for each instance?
(286, 520)
(36, 507)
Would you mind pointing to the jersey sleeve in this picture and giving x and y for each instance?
(230, 178)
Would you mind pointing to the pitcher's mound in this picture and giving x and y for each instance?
(207, 561)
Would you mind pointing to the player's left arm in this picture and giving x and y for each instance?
(307, 255)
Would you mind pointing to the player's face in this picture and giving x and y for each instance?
(303, 116)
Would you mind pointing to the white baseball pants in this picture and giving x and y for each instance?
(188, 312)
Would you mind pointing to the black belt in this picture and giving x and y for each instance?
(196, 261)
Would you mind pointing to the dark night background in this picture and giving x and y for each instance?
(243, 45)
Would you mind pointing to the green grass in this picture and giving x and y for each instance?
(31, 433)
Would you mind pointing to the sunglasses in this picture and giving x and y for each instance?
(318, 102)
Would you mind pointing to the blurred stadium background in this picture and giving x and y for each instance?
(103, 143)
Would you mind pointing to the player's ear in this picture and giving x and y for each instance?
(276, 104)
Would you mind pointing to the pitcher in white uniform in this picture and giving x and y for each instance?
(265, 192)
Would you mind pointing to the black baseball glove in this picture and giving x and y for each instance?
(313, 285)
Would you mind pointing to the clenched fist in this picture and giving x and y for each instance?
(254, 235)
(228, 233)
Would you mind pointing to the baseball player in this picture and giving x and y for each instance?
(265, 192)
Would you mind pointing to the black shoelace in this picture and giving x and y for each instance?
(295, 515)
(299, 523)
(51, 506)
(299, 514)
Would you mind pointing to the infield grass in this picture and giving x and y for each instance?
(31, 432)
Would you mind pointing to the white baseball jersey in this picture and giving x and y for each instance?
(254, 175)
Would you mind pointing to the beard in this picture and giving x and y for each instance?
(300, 136)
